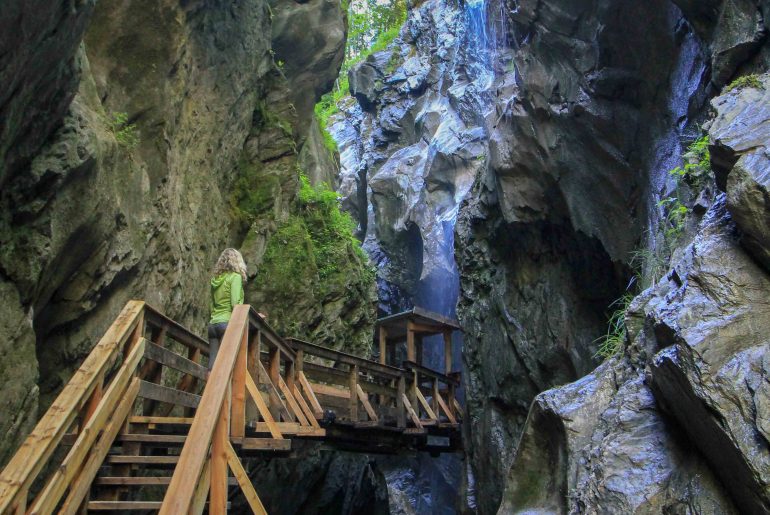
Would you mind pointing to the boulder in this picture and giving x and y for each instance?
(740, 150)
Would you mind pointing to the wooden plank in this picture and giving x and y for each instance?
(401, 417)
(137, 481)
(425, 405)
(457, 407)
(152, 439)
(263, 409)
(277, 407)
(292, 428)
(168, 395)
(308, 390)
(82, 483)
(445, 408)
(309, 415)
(34, 453)
(367, 405)
(238, 395)
(123, 505)
(51, 495)
(218, 487)
(160, 420)
(410, 348)
(447, 352)
(383, 334)
(263, 444)
(353, 386)
(427, 372)
(243, 480)
(410, 411)
(289, 396)
(331, 391)
(202, 490)
(171, 359)
(372, 367)
(175, 331)
(142, 460)
(180, 493)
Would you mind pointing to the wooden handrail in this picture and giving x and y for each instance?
(410, 365)
(348, 359)
(181, 490)
(41, 443)
(174, 330)
(257, 323)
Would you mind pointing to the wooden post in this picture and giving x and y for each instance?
(413, 390)
(447, 352)
(401, 413)
(383, 344)
(435, 398)
(291, 374)
(238, 422)
(410, 351)
(418, 347)
(299, 363)
(193, 355)
(273, 371)
(254, 355)
(354, 393)
(218, 493)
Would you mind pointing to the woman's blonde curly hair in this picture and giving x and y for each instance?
(230, 261)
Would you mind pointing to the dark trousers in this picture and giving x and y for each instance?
(216, 333)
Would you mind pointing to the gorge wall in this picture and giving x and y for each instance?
(137, 140)
(548, 139)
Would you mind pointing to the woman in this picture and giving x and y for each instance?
(226, 293)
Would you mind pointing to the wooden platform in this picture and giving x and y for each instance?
(143, 413)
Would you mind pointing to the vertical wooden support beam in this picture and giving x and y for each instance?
(434, 400)
(412, 393)
(254, 355)
(238, 422)
(410, 350)
(383, 345)
(451, 401)
(273, 372)
(418, 347)
(190, 382)
(218, 492)
(400, 408)
(447, 352)
(290, 375)
(299, 363)
(354, 393)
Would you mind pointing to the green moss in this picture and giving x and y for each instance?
(747, 81)
(327, 107)
(125, 133)
(253, 192)
(313, 254)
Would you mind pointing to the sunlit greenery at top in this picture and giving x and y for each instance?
(372, 25)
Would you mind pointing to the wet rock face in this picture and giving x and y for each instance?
(88, 221)
(740, 134)
(544, 239)
(685, 404)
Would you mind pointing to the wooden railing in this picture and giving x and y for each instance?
(281, 387)
(389, 396)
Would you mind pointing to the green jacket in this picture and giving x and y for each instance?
(226, 293)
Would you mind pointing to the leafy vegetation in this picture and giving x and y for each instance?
(650, 264)
(253, 192)
(747, 81)
(125, 133)
(314, 251)
(613, 341)
(373, 25)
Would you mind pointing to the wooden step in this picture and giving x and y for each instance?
(160, 440)
(142, 460)
(142, 481)
(127, 505)
(263, 444)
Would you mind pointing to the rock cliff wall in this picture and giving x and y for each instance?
(553, 139)
(138, 139)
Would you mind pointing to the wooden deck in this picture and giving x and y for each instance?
(144, 425)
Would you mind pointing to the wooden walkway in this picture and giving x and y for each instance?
(143, 425)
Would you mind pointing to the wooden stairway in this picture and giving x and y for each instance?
(143, 425)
